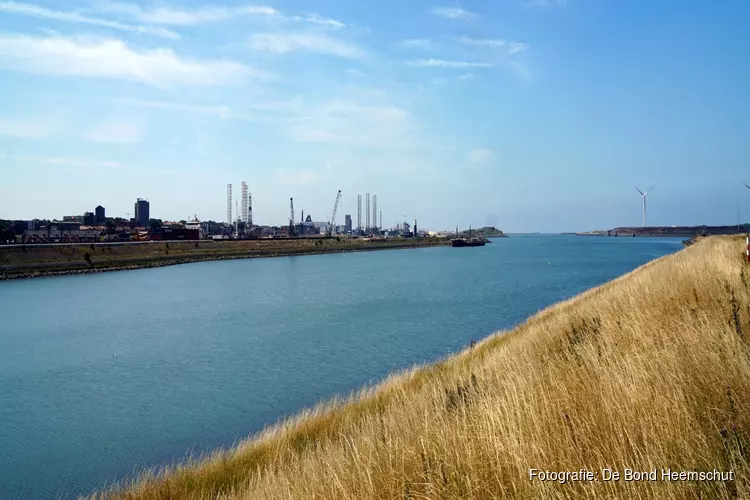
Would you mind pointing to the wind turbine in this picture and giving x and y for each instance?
(643, 196)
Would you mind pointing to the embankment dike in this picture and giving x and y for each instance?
(650, 371)
(19, 261)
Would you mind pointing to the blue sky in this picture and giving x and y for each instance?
(528, 115)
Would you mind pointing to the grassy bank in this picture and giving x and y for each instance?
(48, 260)
(649, 371)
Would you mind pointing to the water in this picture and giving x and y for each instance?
(208, 353)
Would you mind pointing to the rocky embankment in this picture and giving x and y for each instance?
(35, 261)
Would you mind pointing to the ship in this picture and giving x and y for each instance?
(467, 242)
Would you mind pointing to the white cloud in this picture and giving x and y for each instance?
(319, 20)
(67, 162)
(453, 13)
(117, 130)
(440, 63)
(76, 17)
(108, 58)
(220, 111)
(417, 43)
(544, 3)
(281, 43)
(26, 127)
(480, 155)
(510, 47)
(179, 16)
(518, 69)
(73, 162)
(184, 17)
(352, 123)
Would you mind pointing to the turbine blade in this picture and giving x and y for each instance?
(746, 185)
(649, 189)
(638, 190)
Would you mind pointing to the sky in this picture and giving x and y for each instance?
(529, 115)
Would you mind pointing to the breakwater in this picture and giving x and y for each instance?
(31, 261)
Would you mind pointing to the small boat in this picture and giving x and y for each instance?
(467, 242)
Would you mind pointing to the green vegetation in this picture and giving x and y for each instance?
(649, 371)
(9, 230)
(487, 231)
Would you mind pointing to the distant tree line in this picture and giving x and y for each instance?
(10, 229)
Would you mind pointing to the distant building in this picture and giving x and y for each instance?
(348, 223)
(88, 218)
(73, 218)
(99, 217)
(308, 219)
(174, 233)
(142, 215)
(61, 232)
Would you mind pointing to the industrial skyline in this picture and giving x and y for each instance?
(243, 211)
(373, 216)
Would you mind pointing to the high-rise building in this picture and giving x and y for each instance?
(88, 218)
(348, 223)
(99, 217)
(142, 216)
(374, 210)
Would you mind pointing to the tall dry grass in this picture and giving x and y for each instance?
(649, 371)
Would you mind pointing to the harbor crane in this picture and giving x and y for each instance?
(332, 227)
(291, 216)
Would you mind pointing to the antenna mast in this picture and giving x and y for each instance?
(291, 217)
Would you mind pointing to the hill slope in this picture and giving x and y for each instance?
(649, 371)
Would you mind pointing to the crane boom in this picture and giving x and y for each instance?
(332, 226)
(291, 217)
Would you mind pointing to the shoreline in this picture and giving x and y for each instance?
(554, 351)
(78, 268)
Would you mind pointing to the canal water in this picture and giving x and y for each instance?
(103, 375)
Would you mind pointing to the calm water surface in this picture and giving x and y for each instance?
(208, 353)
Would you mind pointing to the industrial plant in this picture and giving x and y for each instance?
(92, 227)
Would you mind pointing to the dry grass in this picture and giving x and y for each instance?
(649, 371)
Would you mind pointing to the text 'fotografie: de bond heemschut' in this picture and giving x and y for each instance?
(611, 475)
